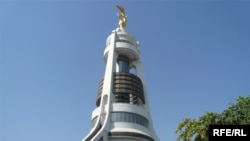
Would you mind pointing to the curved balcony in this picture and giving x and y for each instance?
(128, 88)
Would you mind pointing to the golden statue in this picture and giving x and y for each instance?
(122, 16)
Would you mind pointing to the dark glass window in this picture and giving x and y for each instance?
(123, 63)
(122, 97)
(129, 117)
(117, 117)
(113, 117)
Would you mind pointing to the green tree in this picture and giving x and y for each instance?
(238, 113)
(197, 129)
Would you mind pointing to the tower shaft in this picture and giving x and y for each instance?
(122, 106)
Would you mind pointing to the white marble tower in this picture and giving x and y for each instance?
(122, 104)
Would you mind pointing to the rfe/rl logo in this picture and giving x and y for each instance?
(228, 132)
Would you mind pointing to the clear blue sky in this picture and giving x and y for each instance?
(196, 58)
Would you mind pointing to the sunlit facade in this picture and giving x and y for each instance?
(122, 105)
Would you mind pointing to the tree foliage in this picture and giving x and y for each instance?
(197, 129)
